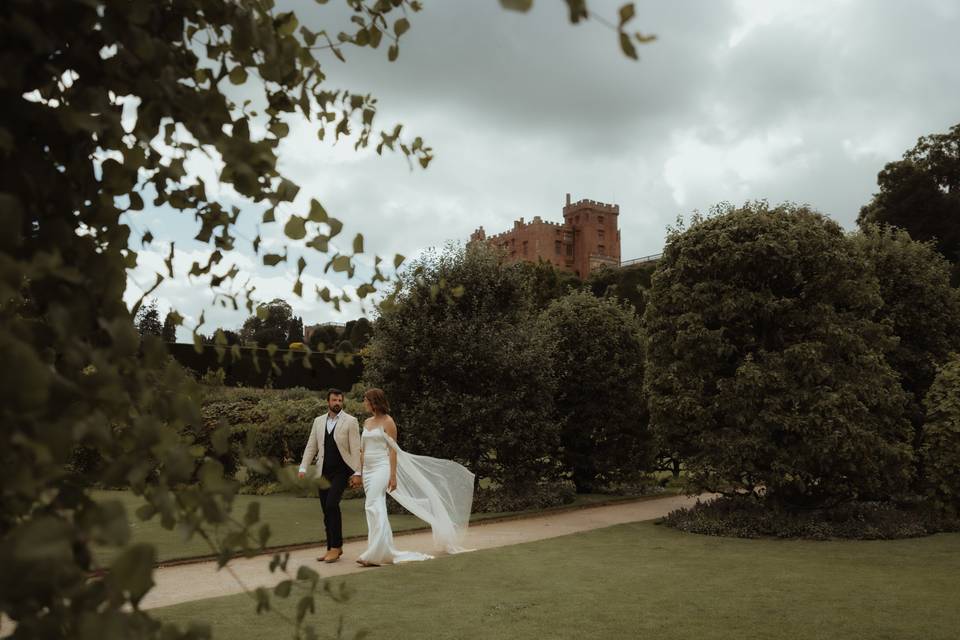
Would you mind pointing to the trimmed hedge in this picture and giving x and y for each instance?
(251, 366)
(745, 517)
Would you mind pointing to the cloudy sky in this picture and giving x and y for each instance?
(736, 100)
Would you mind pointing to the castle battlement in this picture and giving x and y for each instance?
(596, 205)
(578, 245)
(517, 225)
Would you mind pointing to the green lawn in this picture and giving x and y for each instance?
(293, 520)
(642, 581)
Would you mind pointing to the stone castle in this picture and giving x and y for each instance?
(588, 238)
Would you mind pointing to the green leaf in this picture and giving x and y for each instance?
(282, 590)
(295, 228)
(263, 599)
(253, 514)
(358, 243)
(238, 75)
(146, 511)
(306, 605)
(393, 52)
(287, 190)
(627, 12)
(273, 259)
(398, 260)
(317, 212)
(341, 263)
(132, 572)
(286, 23)
(627, 46)
(517, 5)
(401, 26)
(220, 439)
(306, 573)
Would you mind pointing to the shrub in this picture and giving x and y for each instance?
(748, 517)
(597, 356)
(466, 373)
(509, 498)
(941, 447)
(765, 367)
(921, 308)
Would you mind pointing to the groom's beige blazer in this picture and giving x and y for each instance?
(346, 434)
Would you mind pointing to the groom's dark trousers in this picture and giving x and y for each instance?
(337, 473)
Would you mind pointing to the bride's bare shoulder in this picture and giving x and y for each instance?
(390, 426)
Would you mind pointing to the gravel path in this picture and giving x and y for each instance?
(201, 580)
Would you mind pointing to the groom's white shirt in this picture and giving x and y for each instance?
(346, 434)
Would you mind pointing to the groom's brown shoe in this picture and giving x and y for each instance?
(333, 555)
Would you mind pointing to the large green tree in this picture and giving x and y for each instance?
(597, 357)
(920, 307)
(921, 194)
(269, 325)
(467, 373)
(169, 330)
(766, 368)
(941, 448)
(72, 169)
(148, 320)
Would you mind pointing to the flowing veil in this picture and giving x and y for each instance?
(439, 492)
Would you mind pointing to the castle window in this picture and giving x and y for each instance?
(601, 250)
(569, 249)
(524, 247)
(600, 219)
(600, 235)
(556, 247)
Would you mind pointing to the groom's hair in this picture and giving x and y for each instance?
(333, 392)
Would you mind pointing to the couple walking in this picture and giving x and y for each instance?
(440, 492)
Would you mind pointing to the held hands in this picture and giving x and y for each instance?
(355, 481)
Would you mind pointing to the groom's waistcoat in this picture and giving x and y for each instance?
(333, 462)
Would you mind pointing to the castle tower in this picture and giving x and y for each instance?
(594, 227)
(588, 238)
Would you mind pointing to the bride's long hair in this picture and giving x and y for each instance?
(378, 400)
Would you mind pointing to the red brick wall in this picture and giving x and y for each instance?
(588, 237)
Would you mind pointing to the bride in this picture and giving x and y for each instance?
(437, 491)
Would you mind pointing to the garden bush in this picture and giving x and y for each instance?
(749, 517)
(766, 366)
(921, 308)
(466, 372)
(597, 356)
(941, 447)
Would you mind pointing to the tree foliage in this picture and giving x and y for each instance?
(269, 325)
(629, 284)
(920, 307)
(169, 330)
(548, 283)
(921, 194)
(941, 447)
(105, 103)
(765, 365)
(597, 357)
(466, 372)
(294, 330)
(148, 320)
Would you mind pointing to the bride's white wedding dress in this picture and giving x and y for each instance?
(437, 491)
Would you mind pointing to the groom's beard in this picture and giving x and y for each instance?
(335, 409)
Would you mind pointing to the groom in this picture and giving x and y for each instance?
(335, 442)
